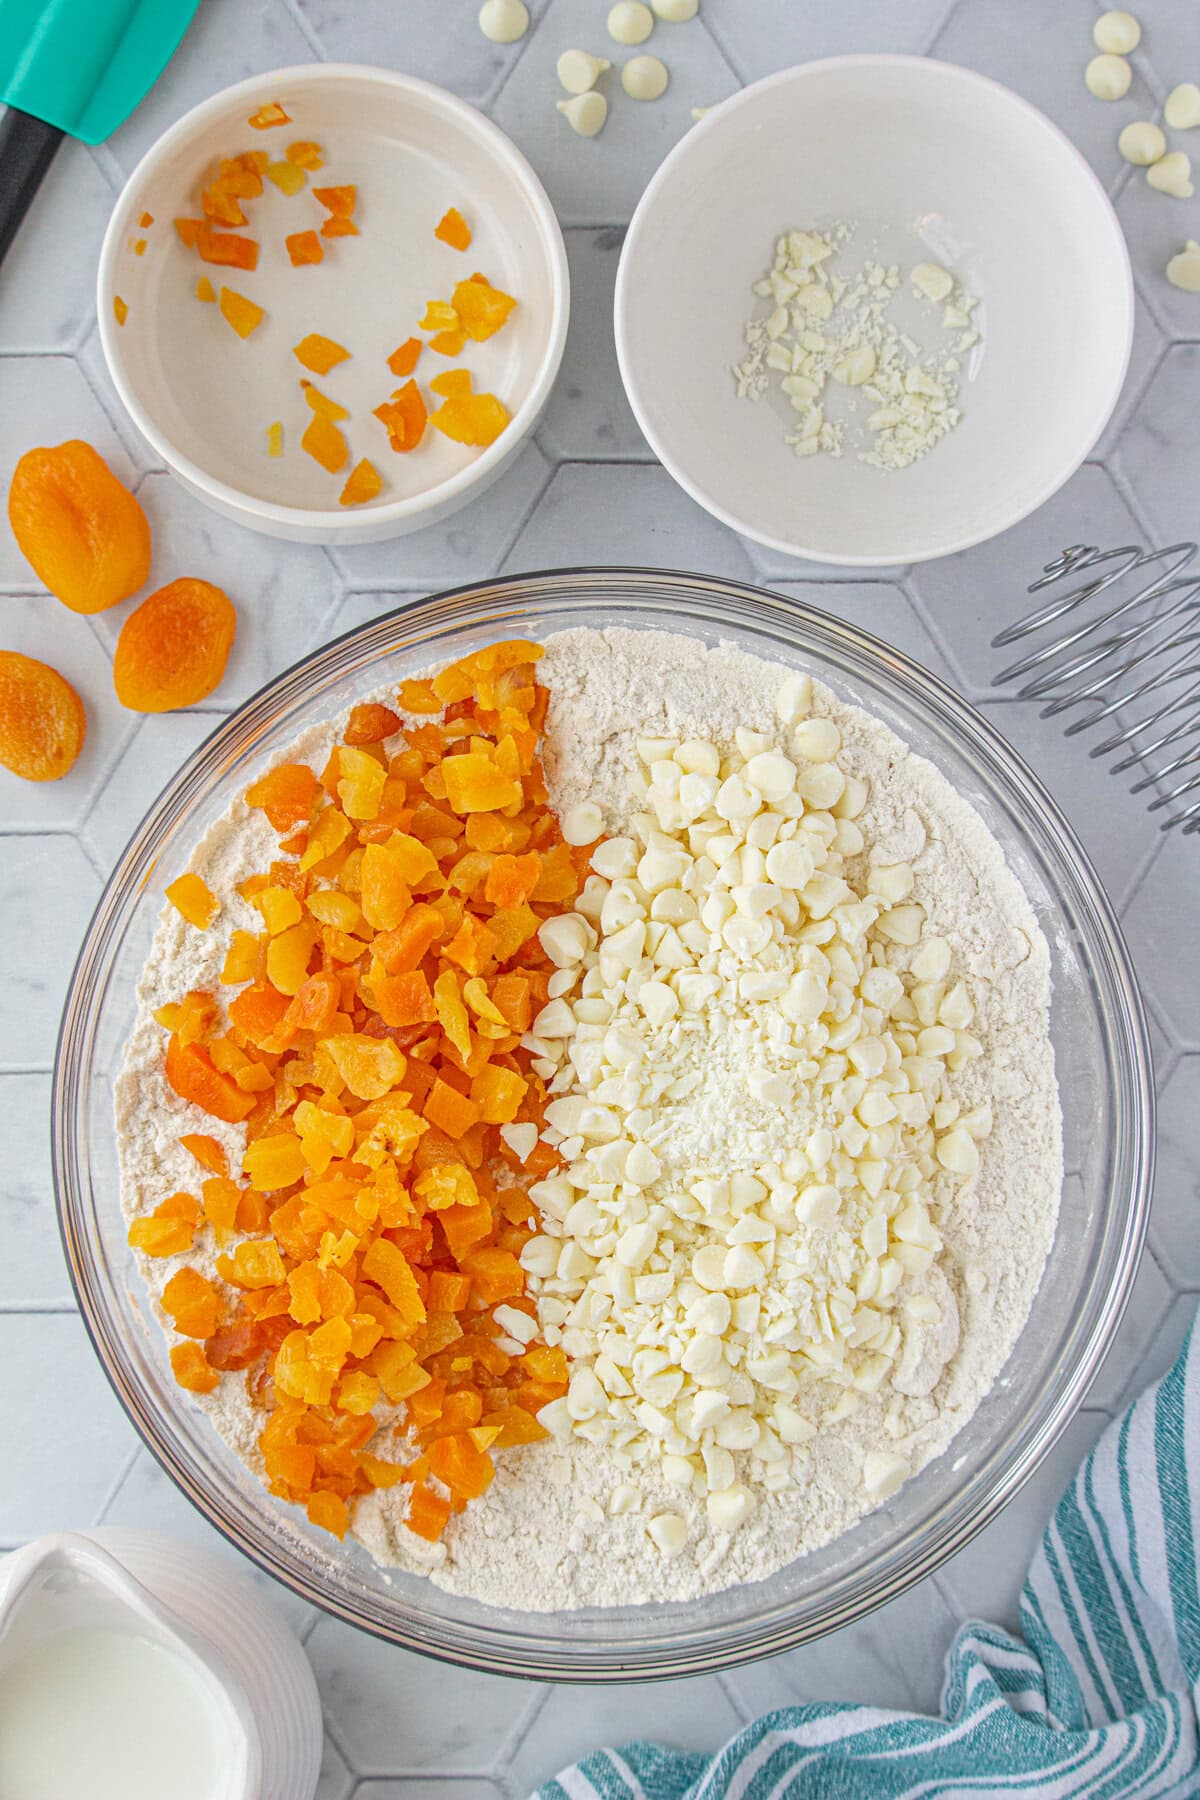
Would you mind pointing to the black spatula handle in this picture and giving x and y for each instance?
(27, 147)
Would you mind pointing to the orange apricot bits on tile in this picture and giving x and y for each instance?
(453, 229)
(267, 116)
(476, 419)
(81, 530)
(481, 308)
(304, 247)
(193, 897)
(320, 354)
(363, 483)
(403, 361)
(173, 649)
(404, 416)
(242, 314)
(42, 721)
(192, 1369)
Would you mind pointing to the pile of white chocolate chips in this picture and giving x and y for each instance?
(725, 997)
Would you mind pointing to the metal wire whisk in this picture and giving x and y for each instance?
(1134, 644)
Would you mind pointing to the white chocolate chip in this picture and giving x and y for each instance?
(1117, 32)
(630, 22)
(668, 1532)
(504, 21)
(1172, 174)
(1182, 110)
(730, 1507)
(1142, 143)
(1183, 270)
(932, 281)
(579, 71)
(884, 1473)
(675, 12)
(1108, 77)
(582, 824)
(585, 113)
(855, 367)
(645, 78)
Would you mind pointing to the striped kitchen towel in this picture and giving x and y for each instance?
(1098, 1698)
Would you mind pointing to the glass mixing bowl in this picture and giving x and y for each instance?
(1104, 1072)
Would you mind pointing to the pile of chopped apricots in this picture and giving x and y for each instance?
(476, 311)
(372, 1050)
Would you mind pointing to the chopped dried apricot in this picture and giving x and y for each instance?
(192, 896)
(304, 247)
(288, 177)
(320, 354)
(242, 314)
(451, 382)
(448, 343)
(418, 697)
(173, 649)
(287, 794)
(325, 443)
(476, 419)
(453, 229)
(192, 1369)
(268, 116)
(305, 154)
(370, 724)
(335, 226)
(193, 1304)
(225, 250)
(120, 309)
(190, 1071)
(207, 1152)
(481, 308)
(206, 291)
(405, 416)
(275, 438)
(80, 528)
(340, 201)
(404, 360)
(322, 405)
(42, 721)
(362, 484)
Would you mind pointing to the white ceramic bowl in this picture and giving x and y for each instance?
(203, 397)
(914, 153)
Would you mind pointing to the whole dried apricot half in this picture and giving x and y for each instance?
(173, 649)
(82, 531)
(42, 721)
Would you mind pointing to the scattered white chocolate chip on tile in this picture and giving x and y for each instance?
(1182, 111)
(645, 78)
(1172, 174)
(1117, 32)
(585, 113)
(1142, 143)
(675, 12)
(579, 71)
(504, 21)
(1183, 270)
(1108, 77)
(630, 22)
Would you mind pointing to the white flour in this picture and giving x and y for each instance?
(542, 1536)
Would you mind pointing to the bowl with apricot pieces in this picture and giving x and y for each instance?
(334, 300)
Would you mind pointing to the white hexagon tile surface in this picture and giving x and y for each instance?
(399, 1727)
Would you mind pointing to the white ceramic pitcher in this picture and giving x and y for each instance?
(249, 1673)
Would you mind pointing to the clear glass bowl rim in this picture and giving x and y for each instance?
(534, 1652)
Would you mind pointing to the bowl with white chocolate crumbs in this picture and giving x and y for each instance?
(872, 310)
(602, 1125)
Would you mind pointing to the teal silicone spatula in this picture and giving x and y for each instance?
(73, 67)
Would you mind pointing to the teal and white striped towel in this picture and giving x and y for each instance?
(1099, 1699)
